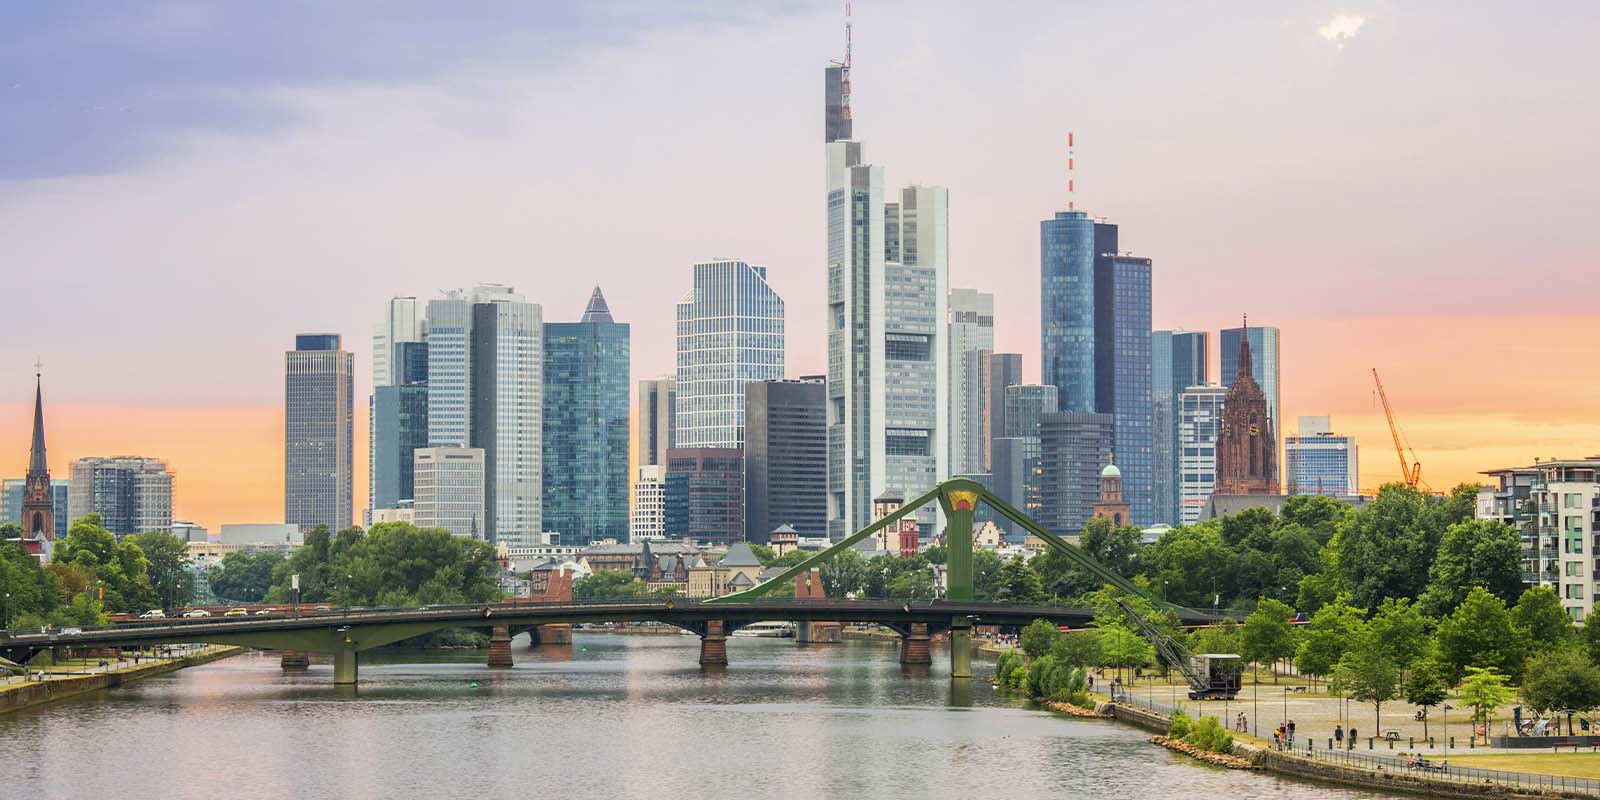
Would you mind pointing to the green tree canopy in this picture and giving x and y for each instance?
(1366, 674)
(1561, 679)
(118, 570)
(985, 574)
(244, 577)
(166, 558)
(1539, 612)
(1479, 633)
(1193, 565)
(1268, 637)
(1402, 629)
(26, 587)
(1331, 632)
(1472, 553)
(396, 563)
(1018, 583)
(1384, 549)
(844, 575)
(606, 585)
(1078, 648)
(1038, 637)
(1426, 686)
(1483, 690)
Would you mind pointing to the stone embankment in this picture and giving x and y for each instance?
(1228, 760)
(1076, 711)
(33, 693)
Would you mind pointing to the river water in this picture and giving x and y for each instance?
(614, 717)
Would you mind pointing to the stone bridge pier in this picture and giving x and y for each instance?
(500, 647)
(914, 645)
(714, 644)
(542, 635)
(294, 661)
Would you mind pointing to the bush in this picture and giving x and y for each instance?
(1179, 725)
(1038, 637)
(1208, 734)
(1008, 662)
(1040, 675)
(1071, 686)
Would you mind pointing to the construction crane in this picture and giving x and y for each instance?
(1210, 675)
(1410, 471)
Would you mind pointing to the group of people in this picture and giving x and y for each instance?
(1419, 761)
(1341, 738)
(1283, 735)
(1241, 723)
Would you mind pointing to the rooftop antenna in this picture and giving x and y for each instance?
(1071, 190)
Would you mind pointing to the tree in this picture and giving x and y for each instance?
(1384, 549)
(1018, 583)
(1317, 515)
(244, 577)
(26, 587)
(1561, 679)
(1475, 552)
(844, 575)
(1483, 690)
(1402, 629)
(166, 556)
(1121, 647)
(1079, 648)
(1539, 612)
(1192, 565)
(1589, 637)
(1327, 637)
(118, 571)
(1426, 687)
(1479, 633)
(605, 585)
(1367, 675)
(1038, 638)
(1267, 635)
(1220, 638)
(1116, 547)
(985, 573)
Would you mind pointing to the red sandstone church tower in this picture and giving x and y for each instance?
(38, 504)
(1111, 505)
(1247, 447)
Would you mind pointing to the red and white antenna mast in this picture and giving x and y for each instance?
(1071, 190)
(844, 83)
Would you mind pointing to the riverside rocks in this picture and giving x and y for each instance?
(1076, 711)
(1217, 759)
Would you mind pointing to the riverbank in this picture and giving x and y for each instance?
(57, 686)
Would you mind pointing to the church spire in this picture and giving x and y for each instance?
(37, 463)
(1245, 369)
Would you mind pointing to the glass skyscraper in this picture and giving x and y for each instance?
(730, 333)
(1178, 361)
(1025, 405)
(1263, 365)
(586, 402)
(1069, 246)
(1319, 461)
(399, 423)
(318, 434)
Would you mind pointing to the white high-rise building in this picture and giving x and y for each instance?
(1199, 423)
(450, 484)
(649, 518)
(658, 410)
(888, 361)
(971, 325)
(730, 333)
(485, 378)
(402, 322)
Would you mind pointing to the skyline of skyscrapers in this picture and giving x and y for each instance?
(729, 333)
(586, 405)
(1178, 360)
(319, 389)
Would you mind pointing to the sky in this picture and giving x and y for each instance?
(185, 186)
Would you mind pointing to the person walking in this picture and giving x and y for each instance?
(1291, 734)
(1352, 737)
(1338, 736)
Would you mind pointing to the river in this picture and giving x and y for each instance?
(614, 717)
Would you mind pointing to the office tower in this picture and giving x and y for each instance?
(888, 363)
(1024, 406)
(399, 423)
(450, 485)
(649, 519)
(586, 426)
(1073, 448)
(1011, 472)
(402, 323)
(1247, 445)
(1178, 361)
(836, 101)
(11, 494)
(705, 494)
(785, 457)
(131, 494)
(730, 332)
(1095, 339)
(1005, 369)
(1319, 461)
(1123, 373)
(658, 408)
(970, 320)
(318, 433)
(1199, 422)
(1264, 356)
(485, 382)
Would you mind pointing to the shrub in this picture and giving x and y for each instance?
(1040, 674)
(1008, 662)
(1208, 734)
(1071, 686)
(1179, 725)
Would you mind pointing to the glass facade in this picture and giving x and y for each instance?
(1177, 361)
(131, 494)
(1073, 448)
(1068, 248)
(11, 503)
(704, 495)
(1123, 373)
(319, 393)
(586, 404)
(729, 333)
(1318, 461)
(786, 458)
(1024, 406)
(971, 332)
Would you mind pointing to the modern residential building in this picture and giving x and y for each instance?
(132, 494)
(1264, 366)
(1319, 461)
(1555, 506)
(785, 457)
(1247, 445)
(658, 409)
(485, 388)
(399, 425)
(1123, 373)
(1199, 423)
(586, 422)
(318, 433)
(1073, 448)
(970, 325)
(1178, 361)
(11, 495)
(649, 518)
(730, 332)
(1005, 369)
(888, 267)
(450, 489)
(705, 494)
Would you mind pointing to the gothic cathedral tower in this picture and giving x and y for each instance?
(38, 504)
(1247, 447)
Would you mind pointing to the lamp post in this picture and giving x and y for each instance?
(1446, 734)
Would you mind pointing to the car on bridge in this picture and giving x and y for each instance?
(196, 613)
(266, 612)
(154, 613)
(237, 612)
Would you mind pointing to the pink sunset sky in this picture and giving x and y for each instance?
(1401, 186)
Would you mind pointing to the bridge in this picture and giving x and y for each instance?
(348, 632)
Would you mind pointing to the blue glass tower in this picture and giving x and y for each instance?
(1069, 246)
(585, 447)
(399, 426)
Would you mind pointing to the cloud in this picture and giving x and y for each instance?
(1342, 28)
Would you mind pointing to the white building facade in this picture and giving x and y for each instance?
(649, 517)
(450, 490)
(1199, 424)
(970, 316)
(729, 333)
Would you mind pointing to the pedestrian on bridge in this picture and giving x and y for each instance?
(1338, 736)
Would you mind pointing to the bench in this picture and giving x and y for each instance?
(1574, 745)
(1297, 688)
(1391, 736)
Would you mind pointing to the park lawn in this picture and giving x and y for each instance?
(1572, 765)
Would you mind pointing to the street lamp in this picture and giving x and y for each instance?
(1446, 733)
